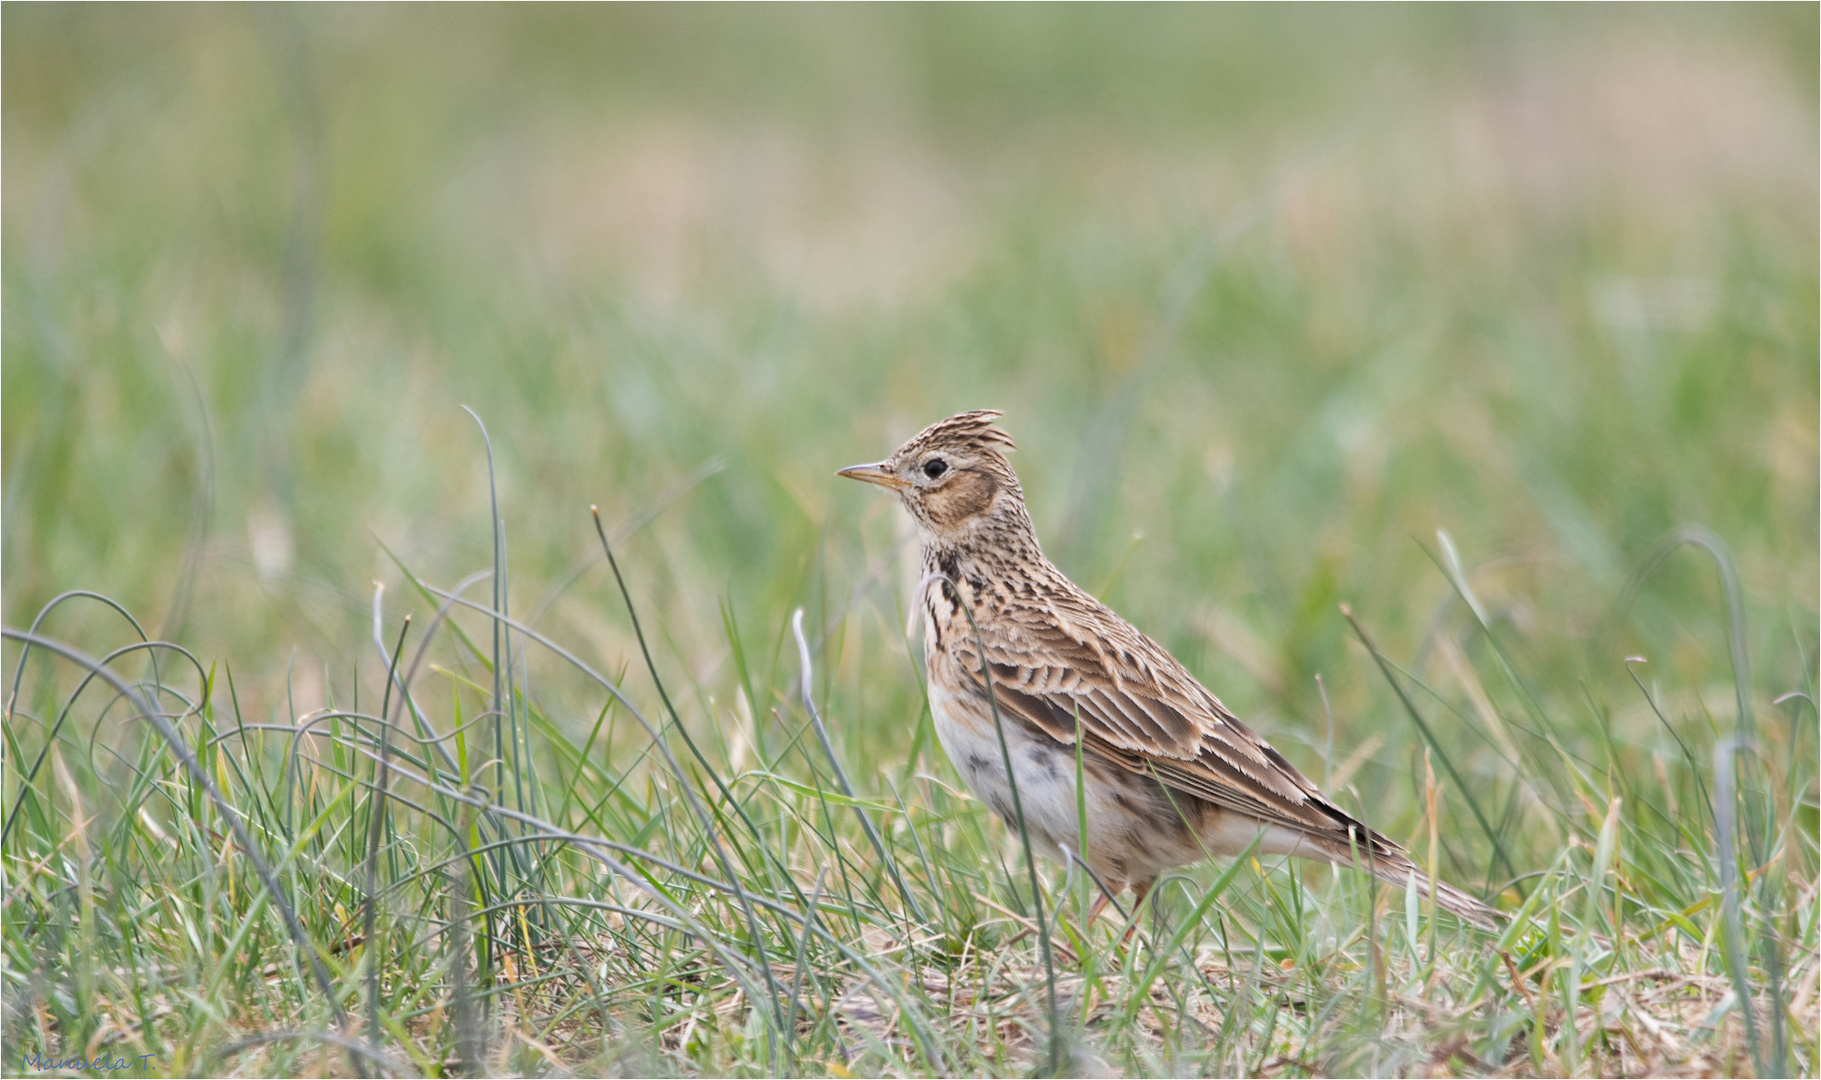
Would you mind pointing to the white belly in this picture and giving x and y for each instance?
(1135, 830)
(1045, 771)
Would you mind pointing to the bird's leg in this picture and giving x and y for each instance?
(1100, 902)
(1140, 889)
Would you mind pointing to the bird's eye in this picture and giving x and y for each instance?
(934, 467)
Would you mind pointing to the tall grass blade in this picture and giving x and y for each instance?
(1416, 717)
(834, 761)
(1024, 834)
(756, 938)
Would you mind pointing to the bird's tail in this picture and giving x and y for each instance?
(1377, 854)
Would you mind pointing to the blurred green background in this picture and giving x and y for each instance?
(1268, 294)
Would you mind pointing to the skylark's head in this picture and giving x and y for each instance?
(952, 475)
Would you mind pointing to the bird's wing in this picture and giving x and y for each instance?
(1064, 663)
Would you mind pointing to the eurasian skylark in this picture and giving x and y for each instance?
(1172, 777)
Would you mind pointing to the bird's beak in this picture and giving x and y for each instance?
(873, 474)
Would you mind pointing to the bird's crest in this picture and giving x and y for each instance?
(969, 429)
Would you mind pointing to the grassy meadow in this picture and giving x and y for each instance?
(1438, 383)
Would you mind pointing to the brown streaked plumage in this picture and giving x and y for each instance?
(1172, 777)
